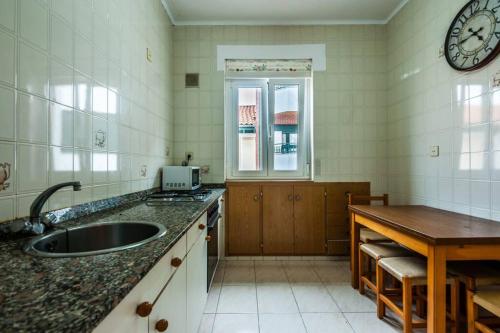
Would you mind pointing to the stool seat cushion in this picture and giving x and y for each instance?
(366, 235)
(489, 299)
(414, 268)
(384, 250)
(485, 273)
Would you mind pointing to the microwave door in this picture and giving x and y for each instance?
(195, 177)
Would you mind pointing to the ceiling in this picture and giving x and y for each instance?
(281, 12)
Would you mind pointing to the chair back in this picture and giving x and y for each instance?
(353, 199)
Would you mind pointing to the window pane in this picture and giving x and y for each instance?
(286, 127)
(249, 122)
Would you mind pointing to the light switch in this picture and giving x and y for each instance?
(434, 151)
(495, 82)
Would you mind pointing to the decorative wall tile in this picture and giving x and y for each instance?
(7, 113)
(100, 133)
(7, 169)
(32, 118)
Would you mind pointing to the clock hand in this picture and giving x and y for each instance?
(473, 33)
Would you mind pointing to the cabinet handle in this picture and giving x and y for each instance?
(201, 226)
(208, 238)
(176, 262)
(256, 197)
(161, 325)
(144, 309)
(298, 197)
(290, 197)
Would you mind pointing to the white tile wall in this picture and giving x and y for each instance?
(349, 98)
(73, 70)
(431, 104)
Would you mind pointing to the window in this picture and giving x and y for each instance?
(268, 128)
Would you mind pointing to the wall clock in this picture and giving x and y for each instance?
(473, 39)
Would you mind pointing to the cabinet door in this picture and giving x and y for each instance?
(171, 305)
(309, 219)
(197, 283)
(277, 219)
(243, 225)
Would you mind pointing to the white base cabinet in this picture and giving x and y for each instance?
(197, 282)
(175, 294)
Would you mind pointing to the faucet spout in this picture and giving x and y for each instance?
(37, 225)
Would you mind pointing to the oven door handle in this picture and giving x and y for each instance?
(213, 220)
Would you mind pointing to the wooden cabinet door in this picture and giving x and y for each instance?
(196, 283)
(243, 225)
(171, 305)
(277, 219)
(309, 219)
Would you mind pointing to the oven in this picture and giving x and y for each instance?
(213, 218)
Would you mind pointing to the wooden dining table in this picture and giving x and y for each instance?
(437, 234)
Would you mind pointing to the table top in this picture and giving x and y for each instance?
(433, 225)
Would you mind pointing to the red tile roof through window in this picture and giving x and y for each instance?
(248, 116)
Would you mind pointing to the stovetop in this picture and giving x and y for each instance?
(178, 196)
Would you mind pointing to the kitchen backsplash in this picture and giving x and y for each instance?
(430, 104)
(349, 97)
(80, 101)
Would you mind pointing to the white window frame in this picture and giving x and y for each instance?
(267, 129)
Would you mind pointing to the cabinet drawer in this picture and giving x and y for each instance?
(194, 232)
(123, 318)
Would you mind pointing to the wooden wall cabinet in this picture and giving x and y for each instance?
(277, 219)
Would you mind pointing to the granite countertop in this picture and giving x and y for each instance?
(75, 294)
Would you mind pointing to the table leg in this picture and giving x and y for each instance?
(436, 289)
(354, 252)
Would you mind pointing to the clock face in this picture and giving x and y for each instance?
(474, 36)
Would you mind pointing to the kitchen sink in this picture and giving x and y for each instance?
(94, 238)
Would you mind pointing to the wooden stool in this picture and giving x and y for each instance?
(488, 299)
(366, 235)
(475, 275)
(376, 251)
(410, 271)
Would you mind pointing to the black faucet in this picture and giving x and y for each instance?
(37, 225)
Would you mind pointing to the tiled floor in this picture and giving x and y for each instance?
(289, 297)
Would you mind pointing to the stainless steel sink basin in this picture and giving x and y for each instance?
(94, 238)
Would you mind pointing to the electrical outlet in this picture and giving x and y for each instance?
(149, 55)
(434, 151)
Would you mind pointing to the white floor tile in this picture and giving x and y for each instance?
(276, 298)
(267, 274)
(350, 300)
(281, 323)
(238, 274)
(326, 323)
(237, 299)
(207, 323)
(369, 323)
(236, 323)
(301, 274)
(314, 298)
(213, 298)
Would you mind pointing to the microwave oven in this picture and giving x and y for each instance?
(181, 178)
